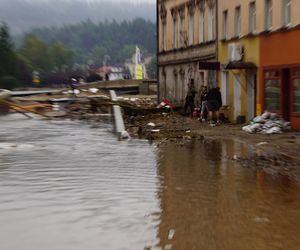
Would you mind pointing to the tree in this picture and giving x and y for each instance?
(60, 55)
(125, 53)
(97, 55)
(152, 68)
(37, 53)
(7, 54)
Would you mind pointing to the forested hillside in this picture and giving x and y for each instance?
(72, 50)
(92, 43)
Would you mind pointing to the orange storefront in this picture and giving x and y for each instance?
(280, 74)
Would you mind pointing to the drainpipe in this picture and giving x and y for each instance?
(157, 50)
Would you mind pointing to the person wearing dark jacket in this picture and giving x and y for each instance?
(190, 98)
(214, 103)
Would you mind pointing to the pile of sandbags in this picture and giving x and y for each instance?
(267, 123)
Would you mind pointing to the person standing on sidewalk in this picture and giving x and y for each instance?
(214, 103)
(203, 102)
(190, 98)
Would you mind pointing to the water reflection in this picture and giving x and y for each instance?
(210, 202)
(72, 185)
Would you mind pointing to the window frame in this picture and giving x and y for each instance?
(237, 21)
(293, 78)
(278, 77)
(286, 12)
(252, 17)
(201, 25)
(268, 15)
(210, 24)
(225, 24)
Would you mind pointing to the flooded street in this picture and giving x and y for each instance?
(70, 185)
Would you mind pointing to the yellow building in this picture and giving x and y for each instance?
(187, 46)
(239, 57)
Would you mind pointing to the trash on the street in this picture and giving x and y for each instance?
(267, 123)
(151, 124)
(171, 234)
(93, 90)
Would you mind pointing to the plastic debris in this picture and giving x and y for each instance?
(171, 234)
(151, 124)
(267, 123)
(93, 90)
(124, 135)
(262, 143)
(155, 130)
(165, 104)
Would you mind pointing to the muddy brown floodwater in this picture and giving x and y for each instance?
(69, 185)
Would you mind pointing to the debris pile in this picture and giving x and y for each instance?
(267, 123)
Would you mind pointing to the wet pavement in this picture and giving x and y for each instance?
(72, 185)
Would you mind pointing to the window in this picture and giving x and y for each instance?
(272, 90)
(268, 14)
(201, 26)
(181, 31)
(225, 24)
(238, 21)
(296, 92)
(252, 17)
(174, 33)
(164, 36)
(225, 88)
(286, 12)
(191, 29)
(210, 30)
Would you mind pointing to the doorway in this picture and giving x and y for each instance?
(237, 95)
(251, 96)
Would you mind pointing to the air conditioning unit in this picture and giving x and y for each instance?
(235, 52)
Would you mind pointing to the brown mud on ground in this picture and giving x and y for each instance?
(277, 154)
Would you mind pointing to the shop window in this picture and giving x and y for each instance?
(296, 92)
(272, 90)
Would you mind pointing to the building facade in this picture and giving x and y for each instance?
(259, 54)
(280, 60)
(186, 46)
(253, 44)
(238, 47)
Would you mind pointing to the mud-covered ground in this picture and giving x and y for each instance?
(276, 154)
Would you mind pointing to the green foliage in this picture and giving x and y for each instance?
(8, 82)
(152, 68)
(90, 42)
(7, 55)
(61, 56)
(96, 56)
(37, 53)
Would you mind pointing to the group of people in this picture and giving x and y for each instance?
(210, 102)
